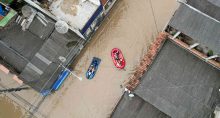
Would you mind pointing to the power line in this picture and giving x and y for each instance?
(152, 9)
(13, 89)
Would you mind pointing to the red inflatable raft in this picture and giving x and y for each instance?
(118, 58)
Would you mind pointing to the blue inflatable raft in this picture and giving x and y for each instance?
(93, 68)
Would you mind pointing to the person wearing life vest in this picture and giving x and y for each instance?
(91, 69)
(118, 60)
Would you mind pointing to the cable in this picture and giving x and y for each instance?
(155, 22)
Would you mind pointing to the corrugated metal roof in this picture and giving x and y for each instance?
(215, 2)
(180, 84)
(197, 26)
(210, 7)
(136, 107)
(43, 70)
(34, 53)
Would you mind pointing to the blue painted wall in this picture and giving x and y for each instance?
(94, 16)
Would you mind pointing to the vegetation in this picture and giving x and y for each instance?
(210, 53)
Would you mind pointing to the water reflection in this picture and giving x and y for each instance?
(8, 109)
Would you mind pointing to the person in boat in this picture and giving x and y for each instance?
(116, 55)
(91, 69)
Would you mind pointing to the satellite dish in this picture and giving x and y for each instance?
(61, 27)
(27, 11)
(62, 59)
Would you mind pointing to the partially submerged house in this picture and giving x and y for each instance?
(136, 107)
(178, 84)
(183, 81)
(200, 28)
(82, 16)
(6, 15)
(38, 44)
(34, 54)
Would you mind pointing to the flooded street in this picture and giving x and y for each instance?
(8, 109)
(131, 26)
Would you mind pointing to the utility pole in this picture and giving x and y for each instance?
(63, 59)
(13, 89)
(80, 78)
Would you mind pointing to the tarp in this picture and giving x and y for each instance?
(7, 18)
(2, 12)
(63, 75)
(6, 1)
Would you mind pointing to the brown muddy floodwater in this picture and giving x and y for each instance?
(131, 26)
(8, 109)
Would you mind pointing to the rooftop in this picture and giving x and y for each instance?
(197, 26)
(75, 12)
(34, 53)
(209, 7)
(136, 108)
(23, 45)
(180, 84)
